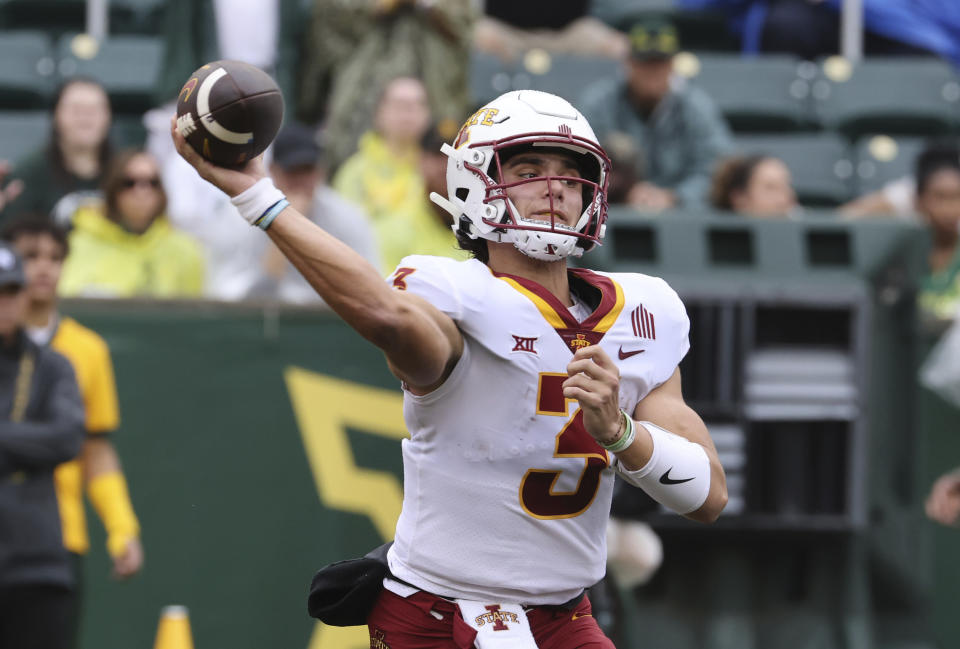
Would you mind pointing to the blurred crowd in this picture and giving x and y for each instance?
(374, 87)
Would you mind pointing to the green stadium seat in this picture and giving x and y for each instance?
(882, 158)
(911, 95)
(490, 77)
(51, 16)
(128, 66)
(135, 16)
(768, 93)
(562, 74)
(128, 132)
(22, 132)
(26, 74)
(820, 164)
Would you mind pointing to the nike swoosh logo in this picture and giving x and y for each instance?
(577, 616)
(666, 479)
(623, 355)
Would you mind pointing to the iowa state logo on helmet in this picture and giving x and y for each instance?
(484, 117)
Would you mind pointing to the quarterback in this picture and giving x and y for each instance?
(528, 385)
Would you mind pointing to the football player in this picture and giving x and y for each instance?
(528, 385)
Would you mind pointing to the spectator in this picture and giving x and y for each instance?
(756, 185)
(265, 33)
(296, 171)
(938, 204)
(125, 246)
(509, 28)
(43, 246)
(943, 503)
(41, 426)
(354, 48)
(897, 198)
(679, 132)
(383, 177)
(67, 171)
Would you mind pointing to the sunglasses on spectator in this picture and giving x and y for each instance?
(130, 183)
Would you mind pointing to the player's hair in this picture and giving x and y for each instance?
(114, 179)
(53, 152)
(34, 225)
(936, 157)
(733, 174)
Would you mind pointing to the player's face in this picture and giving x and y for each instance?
(940, 201)
(82, 115)
(769, 193)
(542, 199)
(139, 198)
(42, 264)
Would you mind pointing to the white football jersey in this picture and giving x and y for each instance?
(506, 496)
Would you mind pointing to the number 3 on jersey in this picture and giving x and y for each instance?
(537, 496)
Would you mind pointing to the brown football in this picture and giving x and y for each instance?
(229, 111)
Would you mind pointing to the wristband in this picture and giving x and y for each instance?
(264, 221)
(625, 440)
(253, 202)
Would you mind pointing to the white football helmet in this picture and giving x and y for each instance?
(477, 199)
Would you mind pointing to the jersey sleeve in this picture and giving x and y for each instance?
(103, 414)
(675, 331)
(431, 278)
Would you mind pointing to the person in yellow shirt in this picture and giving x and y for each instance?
(127, 247)
(384, 178)
(43, 246)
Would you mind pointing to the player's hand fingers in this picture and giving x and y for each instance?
(599, 356)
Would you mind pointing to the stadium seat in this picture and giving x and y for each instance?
(128, 66)
(489, 77)
(768, 93)
(51, 16)
(882, 158)
(912, 95)
(128, 132)
(22, 132)
(26, 74)
(135, 16)
(819, 163)
(565, 75)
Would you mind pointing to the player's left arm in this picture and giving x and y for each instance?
(668, 454)
(666, 408)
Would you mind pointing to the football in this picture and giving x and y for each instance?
(229, 111)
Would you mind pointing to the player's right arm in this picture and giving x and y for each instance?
(422, 344)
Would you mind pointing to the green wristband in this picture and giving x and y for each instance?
(625, 440)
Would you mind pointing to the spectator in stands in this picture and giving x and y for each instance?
(938, 204)
(264, 33)
(509, 28)
(755, 185)
(354, 48)
(897, 198)
(943, 503)
(383, 177)
(125, 246)
(296, 171)
(41, 426)
(679, 132)
(43, 247)
(67, 171)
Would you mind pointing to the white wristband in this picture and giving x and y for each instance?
(253, 202)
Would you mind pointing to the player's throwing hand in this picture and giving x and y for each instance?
(595, 383)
